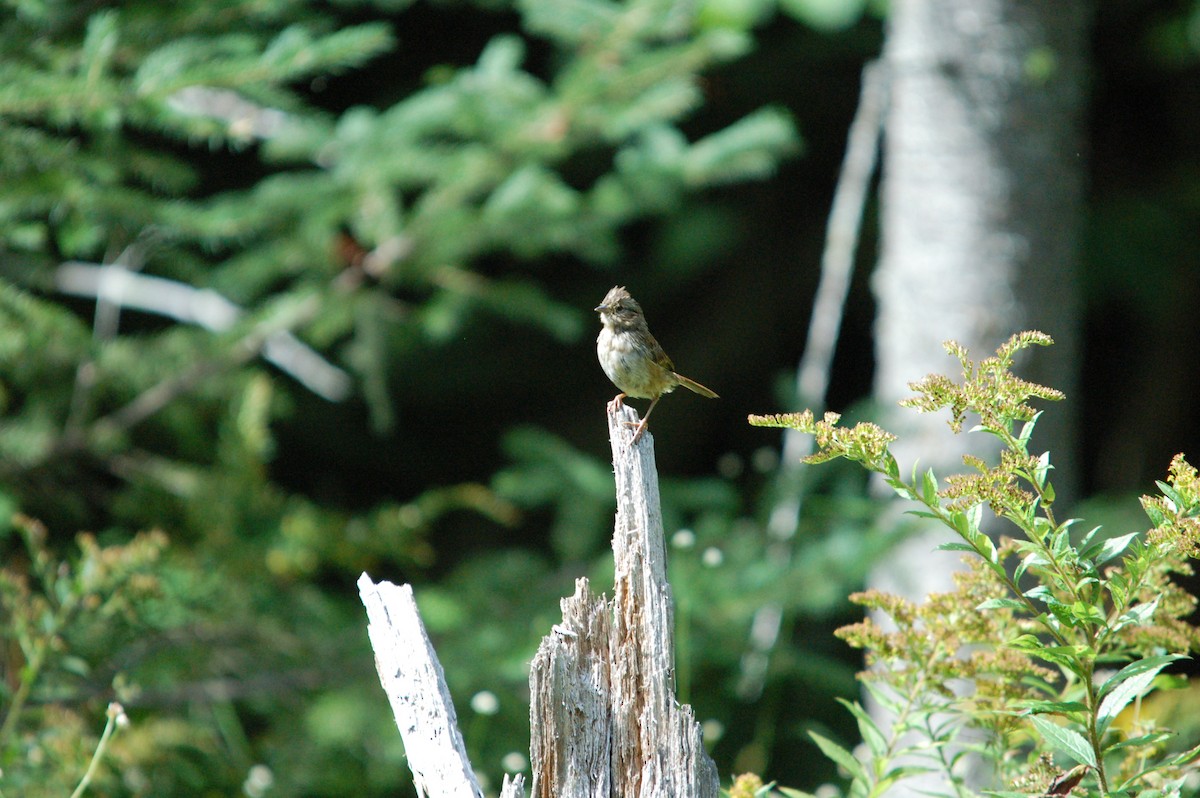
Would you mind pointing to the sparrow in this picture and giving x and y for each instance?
(632, 359)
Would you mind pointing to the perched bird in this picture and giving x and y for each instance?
(631, 357)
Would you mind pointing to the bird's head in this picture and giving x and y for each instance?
(620, 310)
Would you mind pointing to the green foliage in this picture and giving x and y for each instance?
(823, 15)
(185, 204)
(61, 618)
(1055, 636)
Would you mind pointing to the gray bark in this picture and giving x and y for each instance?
(603, 710)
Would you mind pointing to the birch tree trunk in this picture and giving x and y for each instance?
(981, 213)
(981, 199)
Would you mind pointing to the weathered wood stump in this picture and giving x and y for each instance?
(604, 719)
(603, 714)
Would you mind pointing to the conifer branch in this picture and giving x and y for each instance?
(258, 340)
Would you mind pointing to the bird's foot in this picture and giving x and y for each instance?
(617, 403)
(641, 429)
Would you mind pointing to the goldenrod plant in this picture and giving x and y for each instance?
(1051, 639)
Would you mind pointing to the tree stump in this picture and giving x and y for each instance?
(603, 714)
(604, 719)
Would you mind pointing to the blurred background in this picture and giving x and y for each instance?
(292, 290)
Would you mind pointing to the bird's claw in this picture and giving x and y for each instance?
(641, 429)
(617, 403)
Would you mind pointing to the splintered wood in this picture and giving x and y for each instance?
(603, 714)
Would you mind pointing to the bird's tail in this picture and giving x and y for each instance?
(695, 387)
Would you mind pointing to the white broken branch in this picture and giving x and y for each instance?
(244, 119)
(415, 685)
(117, 286)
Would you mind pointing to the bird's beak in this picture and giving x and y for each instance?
(598, 308)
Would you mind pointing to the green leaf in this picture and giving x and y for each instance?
(919, 513)
(1183, 756)
(897, 774)
(871, 734)
(1118, 588)
(1026, 561)
(1150, 665)
(1053, 707)
(956, 547)
(1085, 613)
(1001, 603)
(1025, 642)
(1135, 742)
(1042, 528)
(929, 488)
(1043, 467)
(890, 467)
(1063, 613)
(1137, 615)
(1039, 593)
(1027, 430)
(841, 756)
(1114, 547)
(1065, 656)
(1171, 494)
(987, 548)
(1088, 538)
(1132, 681)
(1064, 740)
(99, 44)
(975, 516)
